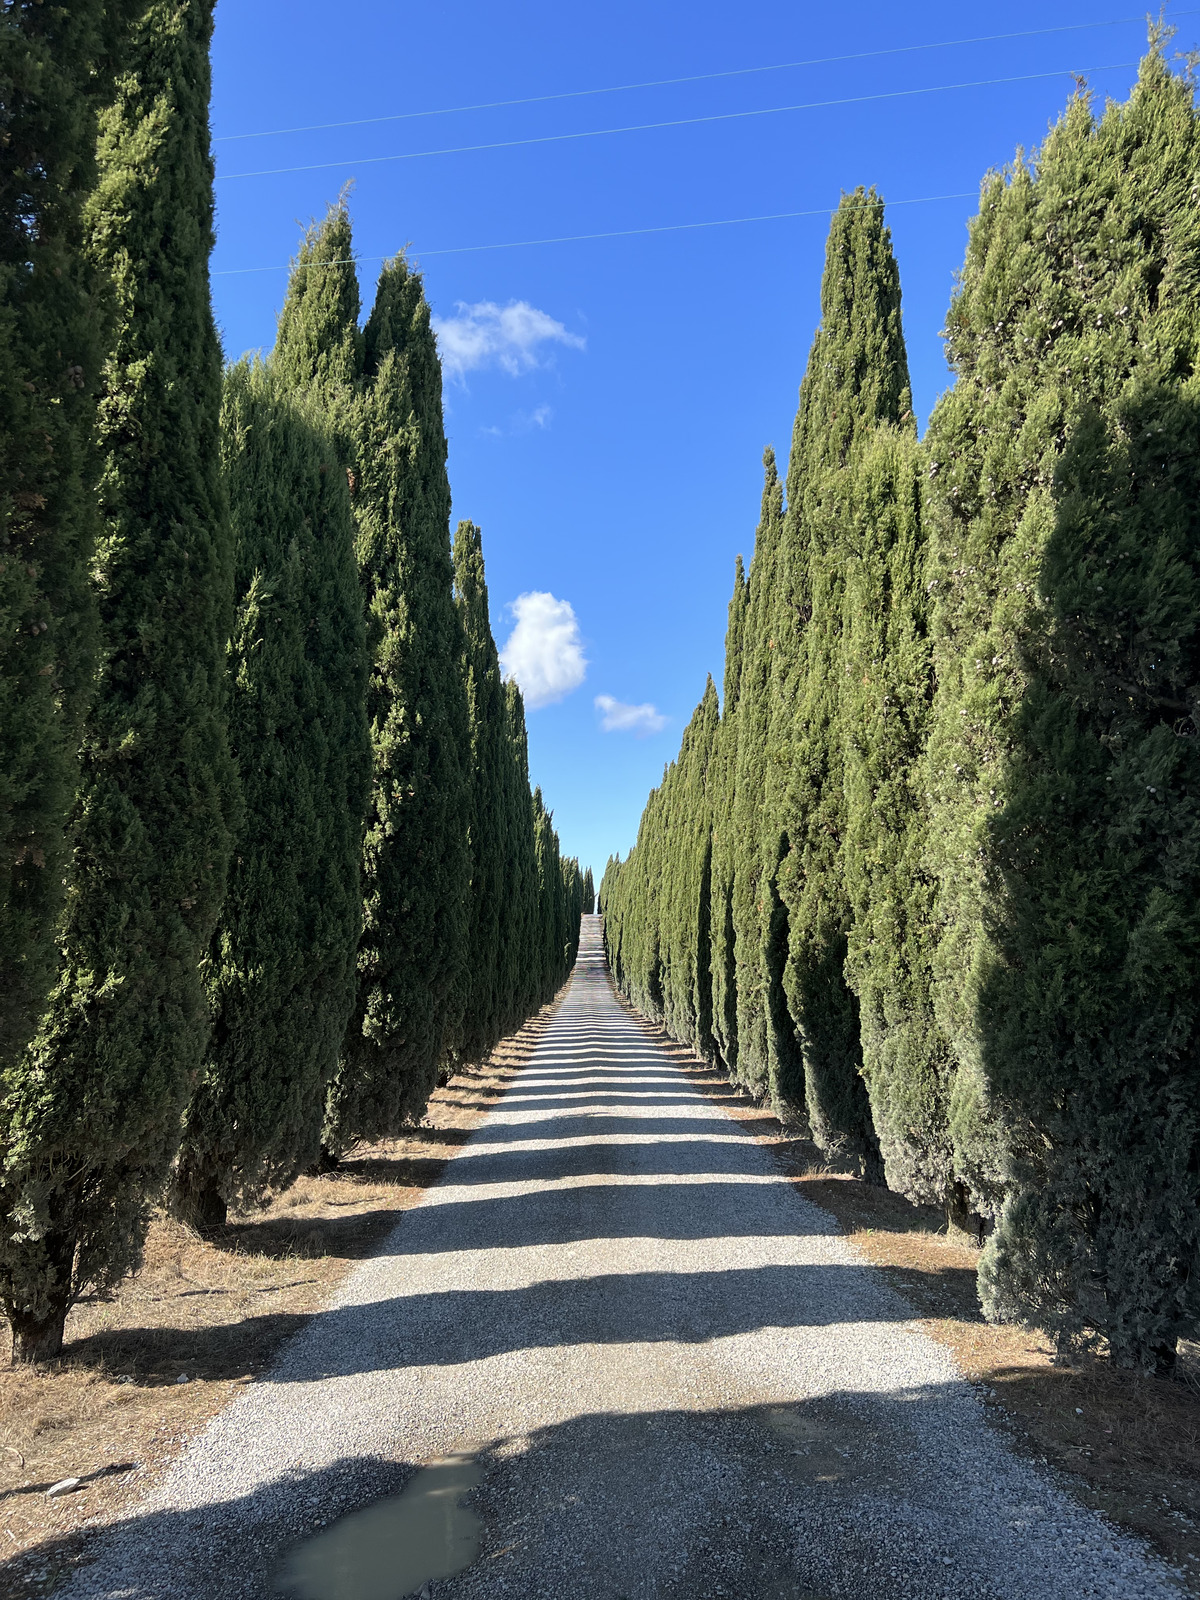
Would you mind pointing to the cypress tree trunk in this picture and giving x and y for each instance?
(416, 865)
(126, 1027)
(283, 963)
(57, 65)
(1062, 755)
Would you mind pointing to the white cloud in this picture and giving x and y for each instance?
(537, 420)
(616, 717)
(544, 652)
(509, 337)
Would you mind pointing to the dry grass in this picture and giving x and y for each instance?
(1129, 1445)
(115, 1408)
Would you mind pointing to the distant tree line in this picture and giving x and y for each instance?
(271, 865)
(928, 877)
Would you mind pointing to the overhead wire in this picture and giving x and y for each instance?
(613, 233)
(675, 122)
(695, 77)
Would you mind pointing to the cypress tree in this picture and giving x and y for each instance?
(857, 377)
(282, 971)
(485, 1007)
(318, 343)
(722, 958)
(547, 941)
(416, 866)
(92, 1112)
(520, 974)
(684, 867)
(572, 907)
(589, 893)
(759, 986)
(1062, 763)
(56, 63)
(886, 689)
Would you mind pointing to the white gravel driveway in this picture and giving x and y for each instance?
(677, 1380)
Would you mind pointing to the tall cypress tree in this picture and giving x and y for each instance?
(886, 689)
(416, 865)
(1062, 762)
(759, 987)
(282, 972)
(546, 946)
(684, 870)
(857, 377)
(485, 1007)
(56, 63)
(318, 345)
(722, 958)
(589, 893)
(92, 1113)
(520, 974)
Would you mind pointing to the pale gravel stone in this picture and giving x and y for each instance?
(680, 1379)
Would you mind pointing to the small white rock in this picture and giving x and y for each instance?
(63, 1486)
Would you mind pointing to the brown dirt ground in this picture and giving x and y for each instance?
(1128, 1446)
(115, 1409)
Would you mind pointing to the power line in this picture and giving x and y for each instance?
(677, 122)
(615, 233)
(697, 77)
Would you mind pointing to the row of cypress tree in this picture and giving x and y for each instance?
(929, 876)
(271, 863)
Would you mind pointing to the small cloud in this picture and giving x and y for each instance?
(509, 337)
(544, 652)
(521, 422)
(616, 717)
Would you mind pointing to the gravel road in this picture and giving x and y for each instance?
(673, 1376)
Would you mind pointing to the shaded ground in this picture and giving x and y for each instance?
(113, 1411)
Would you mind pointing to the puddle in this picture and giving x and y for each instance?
(396, 1546)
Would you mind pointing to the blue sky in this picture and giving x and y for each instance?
(608, 399)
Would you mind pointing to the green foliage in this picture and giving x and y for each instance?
(282, 972)
(519, 972)
(56, 64)
(758, 964)
(722, 793)
(91, 1114)
(657, 907)
(1061, 759)
(482, 1005)
(686, 868)
(318, 343)
(953, 788)
(857, 378)
(416, 863)
(886, 689)
(499, 989)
